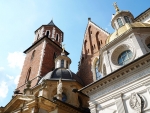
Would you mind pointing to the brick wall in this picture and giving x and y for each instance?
(46, 65)
(94, 39)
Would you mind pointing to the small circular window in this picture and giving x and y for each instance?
(125, 57)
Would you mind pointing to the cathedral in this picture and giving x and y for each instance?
(113, 73)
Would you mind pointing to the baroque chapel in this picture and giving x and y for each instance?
(113, 73)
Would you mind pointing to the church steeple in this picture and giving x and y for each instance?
(41, 55)
(51, 23)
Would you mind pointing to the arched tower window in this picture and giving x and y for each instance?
(47, 33)
(62, 63)
(98, 74)
(33, 54)
(85, 47)
(127, 19)
(119, 22)
(57, 38)
(28, 74)
(67, 64)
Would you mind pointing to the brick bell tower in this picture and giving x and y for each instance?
(40, 56)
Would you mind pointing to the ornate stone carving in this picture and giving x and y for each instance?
(136, 102)
(59, 88)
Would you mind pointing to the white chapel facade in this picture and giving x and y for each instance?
(125, 67)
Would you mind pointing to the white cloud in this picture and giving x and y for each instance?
(16, 59)
(1, 68)
(16, 80)
(106, 29)
(3, 89)
(10, 77)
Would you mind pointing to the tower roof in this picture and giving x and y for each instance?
(51, 22)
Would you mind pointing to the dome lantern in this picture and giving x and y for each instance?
(62, 61)
(120, 18)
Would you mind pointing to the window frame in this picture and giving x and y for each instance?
(125, 57)
(98, 75)
(127, 20)
(120, 23)
(62, 63)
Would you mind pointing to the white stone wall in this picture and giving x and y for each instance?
(134, 42)
(115, 97)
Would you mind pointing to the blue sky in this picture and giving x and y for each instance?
(20, 18)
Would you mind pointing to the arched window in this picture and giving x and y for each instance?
(148, 45)
(47, 33)
(54, 55)
(80, 101)
(64, 97)
(28, 74)
(119, 22)
(98, 74)
(62, 63)
(67, 64)
(97, 40)
(85, 48)
(57, 38)
(125, 57)
(37, 36)
(33, 54)
(82, 59)
(127, 19)
(147, 42)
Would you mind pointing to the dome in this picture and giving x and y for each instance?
(64, 74)
(125, 28)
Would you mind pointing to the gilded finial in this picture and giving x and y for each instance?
(116, 7)
(63, 47)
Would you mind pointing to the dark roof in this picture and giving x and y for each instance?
(51, 23)
(63, 73)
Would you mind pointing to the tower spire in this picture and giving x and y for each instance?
(116, 7)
